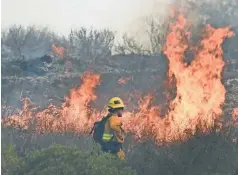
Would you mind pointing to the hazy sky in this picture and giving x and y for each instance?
(61, 15)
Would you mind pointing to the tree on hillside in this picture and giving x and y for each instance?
(157, 29)
(90, 43)
(157, 32)
(129, 46)
(29, 42)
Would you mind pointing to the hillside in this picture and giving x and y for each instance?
(181, 96)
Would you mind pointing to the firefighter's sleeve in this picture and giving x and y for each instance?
(116, 126)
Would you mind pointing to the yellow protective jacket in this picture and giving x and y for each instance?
(113, 130)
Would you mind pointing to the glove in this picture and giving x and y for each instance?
(121, 155)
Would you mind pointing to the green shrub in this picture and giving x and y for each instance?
(63, 160)
(10, 159)
(203, 154)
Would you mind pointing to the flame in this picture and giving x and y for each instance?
(123, 80)
(142, 122)
(200, 93)
(195, 108)
(75, 114)
(59, 51)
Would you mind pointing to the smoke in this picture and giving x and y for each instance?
(117, 15)
(215, 12)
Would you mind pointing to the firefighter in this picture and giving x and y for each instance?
(114, 135)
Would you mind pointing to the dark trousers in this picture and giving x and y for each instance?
(111, 147)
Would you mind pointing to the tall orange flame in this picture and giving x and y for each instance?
(200, 92)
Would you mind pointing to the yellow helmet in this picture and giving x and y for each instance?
(115, 103)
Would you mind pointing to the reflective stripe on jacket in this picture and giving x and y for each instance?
(107, 137)
(113, 130)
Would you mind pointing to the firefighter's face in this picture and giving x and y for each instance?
(119, 112)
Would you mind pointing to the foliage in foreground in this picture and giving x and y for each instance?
(10, 159)
(67, 154)
(62, 160)
(203, 154)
